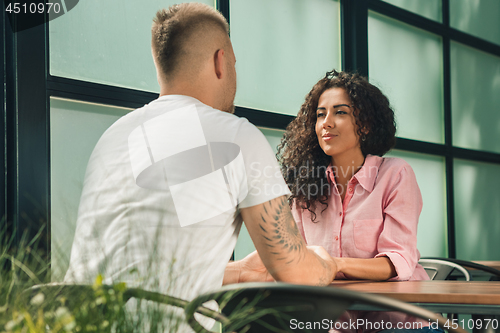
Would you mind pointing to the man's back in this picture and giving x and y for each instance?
(161, 198)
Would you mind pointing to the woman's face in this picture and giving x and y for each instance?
(336, 126)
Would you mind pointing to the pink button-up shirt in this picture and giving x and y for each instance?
(378, 217)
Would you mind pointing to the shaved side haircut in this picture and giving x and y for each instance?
(183, 35)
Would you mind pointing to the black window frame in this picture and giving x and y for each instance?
(3, 122)
(28, 87)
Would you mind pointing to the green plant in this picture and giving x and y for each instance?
(29, 303)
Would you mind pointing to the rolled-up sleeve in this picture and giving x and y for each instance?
(398, 239)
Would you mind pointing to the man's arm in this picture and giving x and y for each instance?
(281, 247)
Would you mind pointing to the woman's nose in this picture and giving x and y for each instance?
(328, 121)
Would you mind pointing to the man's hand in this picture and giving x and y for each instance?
(252, 269)
(281, 247)
(326, 260)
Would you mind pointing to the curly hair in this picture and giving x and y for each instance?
(303, 162)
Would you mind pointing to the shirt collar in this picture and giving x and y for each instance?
(366, 176)
(329, 174)
(176, 98)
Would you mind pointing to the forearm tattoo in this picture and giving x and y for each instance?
(323, 279)
(281, 232)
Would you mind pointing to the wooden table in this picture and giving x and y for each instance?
(432, 292)
(478, 298)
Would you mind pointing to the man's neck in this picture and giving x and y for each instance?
(199, 92)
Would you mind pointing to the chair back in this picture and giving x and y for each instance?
(438, 269)
(495, 273)
(280, 307)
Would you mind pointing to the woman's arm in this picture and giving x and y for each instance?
(398, 240)
(396, 246)
(366, 269)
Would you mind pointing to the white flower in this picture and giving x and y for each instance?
(13, 323)
(70, 326)
(62, 312)
(10, 325)
(38, 299)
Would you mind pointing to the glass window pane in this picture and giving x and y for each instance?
(75, 128)
(428, 8)
(244, 245)
(283, 47)
(477, 17)
(273, 136)
(475, 98)
(432, 225)
(406, 63)
(107, 42)
(477, 210)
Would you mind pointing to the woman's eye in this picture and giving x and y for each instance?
(320, 115)
(340, 112)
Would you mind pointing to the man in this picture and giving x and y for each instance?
(168, 185)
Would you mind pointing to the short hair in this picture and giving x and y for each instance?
(175, 26)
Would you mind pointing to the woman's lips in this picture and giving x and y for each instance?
(327, 137)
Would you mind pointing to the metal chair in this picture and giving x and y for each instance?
(444, 272)
(439, 269)
(103, 302)
(266, 307)
(469, 264)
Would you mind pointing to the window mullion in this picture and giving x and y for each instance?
(448, 138)
(354, 36)
(28, 156)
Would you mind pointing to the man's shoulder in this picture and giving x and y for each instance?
(227, 125)
(219, 115)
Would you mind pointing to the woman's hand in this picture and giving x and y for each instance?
(377, 269)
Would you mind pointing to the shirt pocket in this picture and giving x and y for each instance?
(366, 234)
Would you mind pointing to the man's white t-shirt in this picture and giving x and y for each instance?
(162, 193)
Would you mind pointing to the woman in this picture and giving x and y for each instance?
(362, 208)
